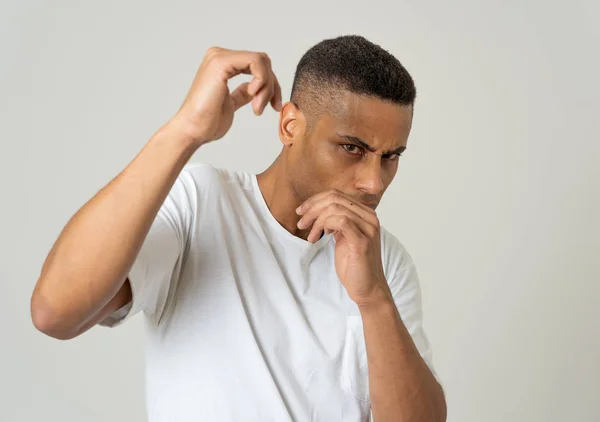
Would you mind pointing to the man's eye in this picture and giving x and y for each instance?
(352, 149)
(392, 157)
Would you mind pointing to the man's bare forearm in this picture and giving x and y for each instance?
(402, 388)
(89, 261)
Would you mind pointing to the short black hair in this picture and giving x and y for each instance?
(354, 64)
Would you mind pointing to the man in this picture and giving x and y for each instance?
(270, 297)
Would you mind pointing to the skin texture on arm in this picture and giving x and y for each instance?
(122, 298)
(402, 388)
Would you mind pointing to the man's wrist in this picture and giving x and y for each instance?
(182, 131)
(380, 297)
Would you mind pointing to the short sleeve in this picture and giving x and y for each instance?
(157, 267)
(405, 287)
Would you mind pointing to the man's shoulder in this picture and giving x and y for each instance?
(203, 172)
(207, 177)
(389, 241)
(207, 187)
(393, 251)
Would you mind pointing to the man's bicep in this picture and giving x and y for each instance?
(157, 266)
(155, 269)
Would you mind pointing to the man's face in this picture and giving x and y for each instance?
(354, 149)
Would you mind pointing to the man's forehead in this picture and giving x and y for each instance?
(358, 112)
(387, 133)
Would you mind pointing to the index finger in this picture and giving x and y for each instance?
(313, 199)
(322, 196)
(276, 99)
(252, 63)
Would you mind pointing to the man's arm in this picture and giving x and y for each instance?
(84, 276)
(401, 386)
(85, 272)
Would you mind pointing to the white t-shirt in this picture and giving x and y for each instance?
(247, 322)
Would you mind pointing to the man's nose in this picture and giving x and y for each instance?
(370, 180)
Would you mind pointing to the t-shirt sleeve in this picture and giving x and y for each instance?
(405, 287)
(156, 269)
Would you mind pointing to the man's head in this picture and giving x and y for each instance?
(349, 117)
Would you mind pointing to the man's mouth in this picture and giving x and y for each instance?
(372, 205)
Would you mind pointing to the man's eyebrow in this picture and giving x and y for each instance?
(368, 147)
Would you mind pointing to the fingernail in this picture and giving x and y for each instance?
(300, 222)
(299, 209)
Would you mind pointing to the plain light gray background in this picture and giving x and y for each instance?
(497, 197)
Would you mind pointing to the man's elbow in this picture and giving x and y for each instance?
(49, 321)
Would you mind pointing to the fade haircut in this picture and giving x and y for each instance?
(348, 63)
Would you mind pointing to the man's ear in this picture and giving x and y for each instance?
(292, 124)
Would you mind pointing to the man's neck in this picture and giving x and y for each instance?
(280, 197)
